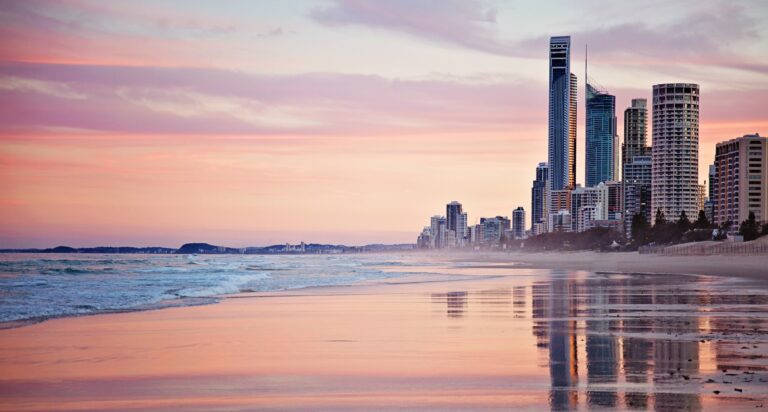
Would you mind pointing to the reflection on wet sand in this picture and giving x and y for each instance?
(456, 302)
(638, 342)
(642, 338)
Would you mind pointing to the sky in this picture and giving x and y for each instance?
(340, 121)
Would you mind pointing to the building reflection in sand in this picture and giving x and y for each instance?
(634, 342)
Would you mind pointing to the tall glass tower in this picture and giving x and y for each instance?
(600, 133)
(562, 115)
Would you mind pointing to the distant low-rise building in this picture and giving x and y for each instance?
(585, 197)
(493, 229)
(424, 241)
(560, 221)
(477, 235)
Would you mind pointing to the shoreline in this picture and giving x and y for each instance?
(753, 268)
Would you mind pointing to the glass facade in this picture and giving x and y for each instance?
(600, 136)
(562, 115)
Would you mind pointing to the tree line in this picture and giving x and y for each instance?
(662, 232)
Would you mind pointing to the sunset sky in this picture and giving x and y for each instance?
(258, 122)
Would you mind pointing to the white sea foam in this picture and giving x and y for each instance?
(45, 286)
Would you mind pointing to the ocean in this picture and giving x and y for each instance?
(35, 287)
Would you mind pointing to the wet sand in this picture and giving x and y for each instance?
(752, 267)
(453, 338)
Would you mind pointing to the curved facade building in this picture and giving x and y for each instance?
(675, 164)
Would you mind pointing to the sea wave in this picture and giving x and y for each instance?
(38, 287)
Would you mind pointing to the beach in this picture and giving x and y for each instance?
(469, 332)
(751, 267)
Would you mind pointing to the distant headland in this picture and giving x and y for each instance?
(209, 249)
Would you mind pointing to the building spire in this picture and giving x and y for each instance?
(586, 56)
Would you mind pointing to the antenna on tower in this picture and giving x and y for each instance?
(586, 56)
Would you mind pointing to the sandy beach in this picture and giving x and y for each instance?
(458, 334)
(751, 267)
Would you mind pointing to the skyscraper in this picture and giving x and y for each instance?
(539, 195)
(635, 131)
(562, 115)
(600, 136)
(452, 219)
(518, 222)
(636, 164)
(741, 179)
(675, 170)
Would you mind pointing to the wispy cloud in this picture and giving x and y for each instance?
(183, 100)
(706, 36)
(464, 23)
(54, 89)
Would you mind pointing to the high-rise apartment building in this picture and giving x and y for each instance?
(539, 195)
(615, 206)
(636, 164)
(463, 229)
(635, 131)
(452, 214)
(595, 197)
(616, 157)
(437, 228)
(518, 222)
(562, 115)
(600, 136)
(675, 163)
(741, 179)
(637, 190)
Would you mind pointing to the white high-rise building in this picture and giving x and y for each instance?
(596, 198)
(675, 161)
(437, 228)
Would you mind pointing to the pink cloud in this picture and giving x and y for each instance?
(706, 36)
(460, 22)
(185, 100)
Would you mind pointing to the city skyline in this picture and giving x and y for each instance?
(112, 143)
